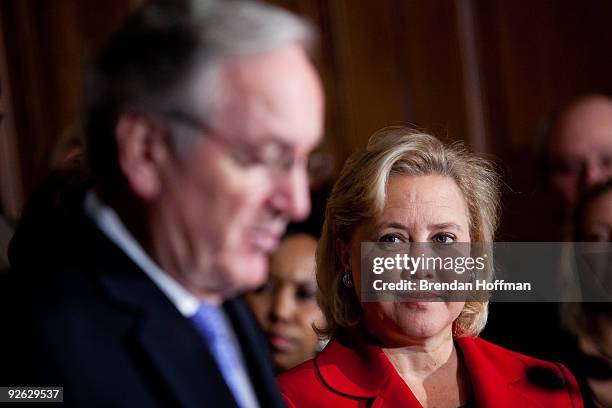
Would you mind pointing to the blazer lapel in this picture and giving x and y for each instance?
(184, 362)
(496, 381)
(255, 352)
(162, 340)
(362, 371)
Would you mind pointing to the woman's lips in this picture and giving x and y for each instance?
(280, 342)
(418, 296)
(425, 295)
(421, 300)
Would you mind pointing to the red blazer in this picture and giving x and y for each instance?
(342, 377)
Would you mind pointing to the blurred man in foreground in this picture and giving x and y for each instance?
(199, 120)
(6, 232)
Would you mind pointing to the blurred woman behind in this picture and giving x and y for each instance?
(286, 305)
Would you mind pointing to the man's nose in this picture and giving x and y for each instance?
(292, 195)
(591, 175)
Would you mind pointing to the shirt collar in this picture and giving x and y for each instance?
(107, 220)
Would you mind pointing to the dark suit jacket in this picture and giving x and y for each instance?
(78, 313)
(6, 232)
(362, 376)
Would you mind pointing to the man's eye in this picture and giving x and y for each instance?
(444, 238)
(567, 166)
(275, 154)
(605, 161)
(273, 157)
(246, 158)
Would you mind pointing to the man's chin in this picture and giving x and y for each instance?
(249, 274)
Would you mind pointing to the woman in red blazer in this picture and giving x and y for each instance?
(408, 187)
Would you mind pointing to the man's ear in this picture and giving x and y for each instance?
(142, 150)
(342, 248)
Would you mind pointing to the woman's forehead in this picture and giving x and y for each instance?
(424, 196)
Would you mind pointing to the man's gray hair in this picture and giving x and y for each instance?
(150, 65)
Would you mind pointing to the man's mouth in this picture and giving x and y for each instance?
(264, 240)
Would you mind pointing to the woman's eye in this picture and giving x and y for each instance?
(267, 287)
(306, 294)
(444, 239)
(390, 238)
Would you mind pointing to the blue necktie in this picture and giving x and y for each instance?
(211, 324)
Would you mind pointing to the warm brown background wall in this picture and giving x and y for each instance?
(483, 71)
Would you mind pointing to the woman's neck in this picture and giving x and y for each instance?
(423, 357)
(433, 370)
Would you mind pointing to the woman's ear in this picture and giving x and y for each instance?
(342, 248)
(141, 149)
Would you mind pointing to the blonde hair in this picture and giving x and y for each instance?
(360, 194)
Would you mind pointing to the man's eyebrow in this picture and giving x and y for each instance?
(271, 141)
(564, 156)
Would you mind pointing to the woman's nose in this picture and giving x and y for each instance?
(421, 265)
(283, 305)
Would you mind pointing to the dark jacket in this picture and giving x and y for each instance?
(78, 313)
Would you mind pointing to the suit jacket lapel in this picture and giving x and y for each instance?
(256, 354)
(183, 360)
(162, 337)
(172, 347)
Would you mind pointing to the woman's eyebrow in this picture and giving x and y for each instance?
(437, 226)
(392, 224)
(446, 225)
